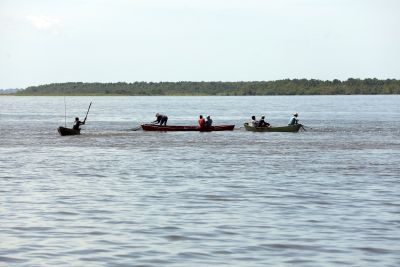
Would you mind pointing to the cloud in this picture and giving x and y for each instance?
(42, 22)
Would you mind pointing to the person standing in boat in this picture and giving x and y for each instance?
(209, 122)
(161, 119)
(294, 120)
(78, 123)
(262, 122)
(202, 122)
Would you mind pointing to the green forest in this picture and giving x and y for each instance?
(280, 87)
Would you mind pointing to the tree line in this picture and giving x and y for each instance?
(280, 87)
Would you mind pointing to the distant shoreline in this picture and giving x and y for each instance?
(116, 95)
(280, 87)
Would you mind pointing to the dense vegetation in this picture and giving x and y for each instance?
(280, 87)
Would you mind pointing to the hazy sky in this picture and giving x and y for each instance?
(47, 41)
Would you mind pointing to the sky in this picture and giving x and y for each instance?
(53, 41)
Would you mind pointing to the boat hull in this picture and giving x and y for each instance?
(288, 128)
(179, 128)
(67, 131)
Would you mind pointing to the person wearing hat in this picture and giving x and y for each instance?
(161, 119)
(78, 123)
(294, 120)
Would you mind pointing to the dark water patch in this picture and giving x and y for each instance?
(99, 259)
(220, 198)
(291, 246)
(62, 213)
(389, 203)
(193, 254)
(87, 251)
(179, 238)
(225, 232)
(247, 259)
(375, 250)
(321, 202)
(122, 222)
(300, 261)
(371, 260)
(95, 233)
(167, 228)
(314, 221)
(157, 262)
(223, 252)
(11, 260)
(93, 217)
(32, 228)
(132, 255)
(341, 262)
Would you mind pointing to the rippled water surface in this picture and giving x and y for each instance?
(329, 196)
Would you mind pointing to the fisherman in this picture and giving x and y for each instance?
(209, 121)
(202, 122)
(78, 123)
(262, 122)
(294, 120)
(253, 122)
(161, 119)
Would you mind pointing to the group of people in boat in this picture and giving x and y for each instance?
(162, 120)
(259, 123)
(205, 123)
(263, 123)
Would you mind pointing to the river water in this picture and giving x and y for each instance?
(328, 196)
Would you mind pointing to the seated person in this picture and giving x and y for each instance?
(253, 122)
(294, 120)
(208, 122)
(262, 122)
(202, 121)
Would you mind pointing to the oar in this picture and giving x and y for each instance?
(135, 129)
(304, 127)
(87, 111)
(140, 127)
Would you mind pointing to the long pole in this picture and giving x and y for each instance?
(65, 113)
(88, 111)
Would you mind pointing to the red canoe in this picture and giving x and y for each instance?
(153, 127)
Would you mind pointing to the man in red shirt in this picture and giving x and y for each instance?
(202, 121)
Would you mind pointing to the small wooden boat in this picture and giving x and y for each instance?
(289, 128)
(154, 127)
(67, 131)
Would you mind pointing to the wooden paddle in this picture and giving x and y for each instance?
(304, 127)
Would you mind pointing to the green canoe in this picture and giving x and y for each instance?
(289, 128)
